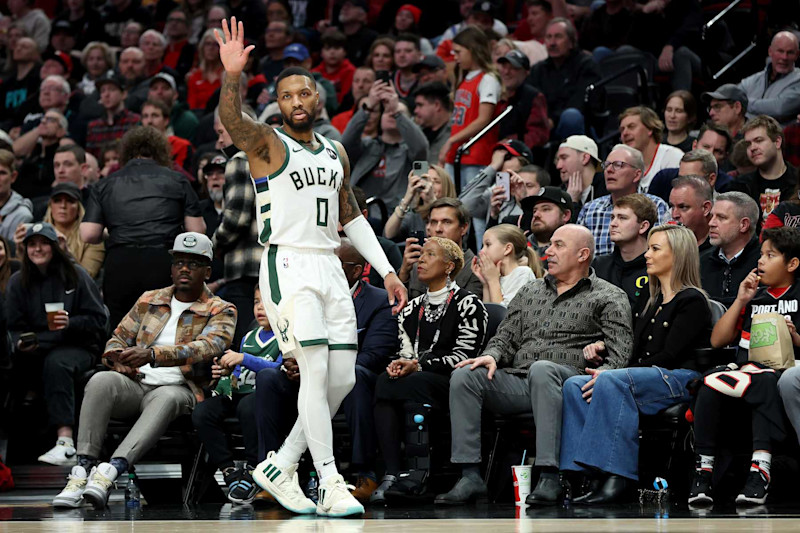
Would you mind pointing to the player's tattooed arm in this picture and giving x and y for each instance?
(348, 207)
(249, 136)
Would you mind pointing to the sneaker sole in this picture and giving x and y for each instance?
(47, 460)
(64, 502)
(240, 501)
(96, 500)
(341, 514)
(263, 481)
(744, 500)
(701, 499)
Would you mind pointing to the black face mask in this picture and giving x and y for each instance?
(230, 151)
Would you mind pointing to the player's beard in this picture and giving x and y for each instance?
(301, 126)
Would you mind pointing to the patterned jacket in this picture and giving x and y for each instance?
(236, 238)
(544, 325)
(204, 331)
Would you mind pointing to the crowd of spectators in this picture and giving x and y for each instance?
(123, 197)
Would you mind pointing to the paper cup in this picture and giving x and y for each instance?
(52, 310)
(521, 474)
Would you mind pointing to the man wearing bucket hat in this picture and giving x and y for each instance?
(159, 355)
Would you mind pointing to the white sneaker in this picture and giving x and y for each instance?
(62, 454)
(101, 478)
(335, 499)
(72, 495)
(282, 483)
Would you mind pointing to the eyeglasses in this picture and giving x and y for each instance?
(618, 165)
(49, 119)
(718, 106)
(191, 265)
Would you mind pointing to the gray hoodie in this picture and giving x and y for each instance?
(17, 210)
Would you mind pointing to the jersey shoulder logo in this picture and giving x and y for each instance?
(331, 152)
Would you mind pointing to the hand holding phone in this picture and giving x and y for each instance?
(420, 236)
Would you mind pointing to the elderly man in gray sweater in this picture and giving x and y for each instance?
(775, 91)
(380, 166)
(540, 344)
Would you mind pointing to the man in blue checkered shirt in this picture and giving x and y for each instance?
(623, 169)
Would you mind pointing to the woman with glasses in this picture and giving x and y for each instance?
(144, 205)
(600, 420)
(57, 323)
(439, 329)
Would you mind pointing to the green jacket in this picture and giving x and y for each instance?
(184, 123)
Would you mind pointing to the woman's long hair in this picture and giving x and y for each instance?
(475, 40)
(60, 265)
(685, 261)
(73, 234)
(448, 191)
(511, 234)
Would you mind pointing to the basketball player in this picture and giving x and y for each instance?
(302, 194)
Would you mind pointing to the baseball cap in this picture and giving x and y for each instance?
(555, 195)
(68, 188)
(484, 7)
(296, 51)
(60, 57)
(515, 148)
(44, 229)
(218, 161)
(729, 91)
(431, 61)
(110, 77)
(193, 243)
(61, 25)
(414, 10)
(163, 76)
(582, 143)
(516, 59)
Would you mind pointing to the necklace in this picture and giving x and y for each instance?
(431, 317)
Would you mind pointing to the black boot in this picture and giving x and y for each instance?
(548, 490)
(613, 490)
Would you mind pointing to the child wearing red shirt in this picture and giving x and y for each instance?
(335, 66)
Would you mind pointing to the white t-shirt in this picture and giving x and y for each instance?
(489, 88)
(666, 157)
(168, 375)
(512, 282)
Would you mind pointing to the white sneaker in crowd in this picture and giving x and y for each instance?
(72, 495)
(101, 478)
(62, 454)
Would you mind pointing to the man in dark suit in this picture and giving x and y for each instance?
(277, 388)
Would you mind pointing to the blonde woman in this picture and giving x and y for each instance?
(207, 77)
(601, 410)
(65, 212)
(505, 264)
(410, 214)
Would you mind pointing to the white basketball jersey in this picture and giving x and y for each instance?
(299, 204)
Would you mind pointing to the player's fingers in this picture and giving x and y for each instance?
(225, 31)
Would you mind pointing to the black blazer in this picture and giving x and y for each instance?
(377, 328)
(667, 335)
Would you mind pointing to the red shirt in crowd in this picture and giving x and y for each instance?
(340, 121)
(465, 111)
(342, 77)
(199, 90)
(99, 132)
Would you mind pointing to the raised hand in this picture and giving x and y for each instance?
(749, 286)
(232, 52)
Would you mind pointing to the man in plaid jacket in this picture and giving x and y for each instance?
(160, 355)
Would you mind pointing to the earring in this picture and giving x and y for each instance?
(449, 281)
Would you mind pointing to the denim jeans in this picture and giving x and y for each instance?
(604, 434)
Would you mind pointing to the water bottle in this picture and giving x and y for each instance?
(312, 488)
(132, 498)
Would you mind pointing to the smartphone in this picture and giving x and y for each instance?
(504, 179)
(28, 339)
(383, 75)
(418, 168)
(419, 235)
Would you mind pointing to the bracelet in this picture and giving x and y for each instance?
(400, 214)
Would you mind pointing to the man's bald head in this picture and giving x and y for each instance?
(352, 261)
(570, 253)
(783, 51)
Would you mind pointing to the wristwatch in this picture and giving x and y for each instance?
(152, 357)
